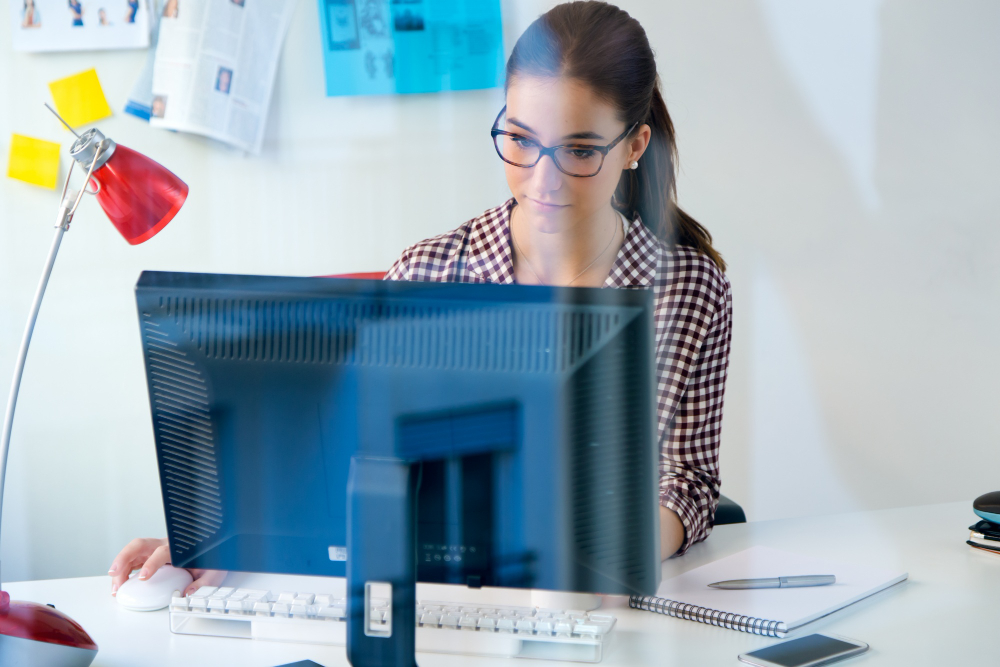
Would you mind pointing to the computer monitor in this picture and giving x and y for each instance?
(262, 388)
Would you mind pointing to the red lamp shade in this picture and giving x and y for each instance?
(139, 195)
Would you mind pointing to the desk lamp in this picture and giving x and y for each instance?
(140, 197)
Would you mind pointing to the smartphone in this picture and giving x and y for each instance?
(806, 651)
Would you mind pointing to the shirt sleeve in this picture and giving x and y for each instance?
(689, 443)
(400, 268)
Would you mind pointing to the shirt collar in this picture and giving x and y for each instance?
(490, 254)
(489, 245)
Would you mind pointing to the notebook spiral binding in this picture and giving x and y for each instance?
(690, 612)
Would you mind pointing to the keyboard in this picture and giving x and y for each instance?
(442, 627)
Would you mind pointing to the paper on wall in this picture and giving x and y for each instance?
(215, 66)
(74, 25)
(378, 47)
(34, 161)
(79, 98)
(140, 99)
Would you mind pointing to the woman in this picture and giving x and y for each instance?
(76, 9)
(588, 150)
(30, 17)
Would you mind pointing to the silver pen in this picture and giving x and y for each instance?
(777, 582)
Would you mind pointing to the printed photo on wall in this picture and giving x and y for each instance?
(79, 25)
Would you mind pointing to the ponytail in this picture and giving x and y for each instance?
(605, 48)
(650, 191)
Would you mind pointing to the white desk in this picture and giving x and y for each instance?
(943, 615)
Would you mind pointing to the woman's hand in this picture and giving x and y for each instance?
(150, 554)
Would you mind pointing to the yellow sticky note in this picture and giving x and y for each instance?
(79, 98)
(34, 161)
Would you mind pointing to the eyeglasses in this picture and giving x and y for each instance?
(580, 160)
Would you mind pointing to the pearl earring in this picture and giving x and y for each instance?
(634, 165)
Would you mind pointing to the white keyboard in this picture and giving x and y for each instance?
(442, 627)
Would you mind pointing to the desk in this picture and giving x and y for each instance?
(941, 616)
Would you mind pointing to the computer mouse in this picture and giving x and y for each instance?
(153, 593)
(988, 506)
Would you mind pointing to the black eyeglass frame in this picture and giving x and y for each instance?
(551, 150)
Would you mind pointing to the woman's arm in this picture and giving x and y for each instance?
(671, 533)
(695, 311)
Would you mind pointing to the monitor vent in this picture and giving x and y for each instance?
(611, 476)
(523, 340)
(179, 399)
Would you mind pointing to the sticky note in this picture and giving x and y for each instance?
(79, 98)
(34, 161)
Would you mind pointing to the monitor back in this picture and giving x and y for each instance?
(530, 408)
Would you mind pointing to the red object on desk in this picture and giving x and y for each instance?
(30, 633)
(373, 275)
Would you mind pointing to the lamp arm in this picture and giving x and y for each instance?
(65, 215)
(68, 203)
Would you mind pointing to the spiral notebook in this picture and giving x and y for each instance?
(764, 611)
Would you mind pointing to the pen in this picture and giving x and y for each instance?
(777, 582)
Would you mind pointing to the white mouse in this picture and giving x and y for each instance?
(153, 593)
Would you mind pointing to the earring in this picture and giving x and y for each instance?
(634, 165)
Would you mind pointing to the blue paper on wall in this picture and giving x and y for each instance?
(380, 47)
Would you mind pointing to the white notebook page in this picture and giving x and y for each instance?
(791, 606)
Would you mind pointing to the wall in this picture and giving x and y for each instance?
(842, 153)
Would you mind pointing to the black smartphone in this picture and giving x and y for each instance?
(809, 651)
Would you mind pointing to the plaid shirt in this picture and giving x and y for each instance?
(693, 315)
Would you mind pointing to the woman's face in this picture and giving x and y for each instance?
(555, 111)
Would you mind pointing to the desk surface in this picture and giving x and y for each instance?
(940, 616)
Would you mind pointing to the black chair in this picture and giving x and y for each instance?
(728, 512)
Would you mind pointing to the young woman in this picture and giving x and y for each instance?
(588, 150)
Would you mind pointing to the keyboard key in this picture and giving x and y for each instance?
(324, 600)
(430, 618)
(304, 598)
(563, 627)
(524, 625)
(178, 603)
(279, 608)
(543, 626)
(590, 629)
(204, 592)
(199, 604)
(234, 606)
(262, 608)
(468, 622)
(487, 624)
(298, 610)
(450, 620)
(505, 624)
(217, 605)
(256, 596)
(286, 598)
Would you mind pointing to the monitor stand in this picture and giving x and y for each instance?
(564, 600)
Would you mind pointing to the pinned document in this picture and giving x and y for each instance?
(34, 161)
(80, 99)
(379, 47)
(75, 25)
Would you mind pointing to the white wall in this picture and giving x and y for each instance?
(842, 153)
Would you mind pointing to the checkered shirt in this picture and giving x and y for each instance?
(693, 316)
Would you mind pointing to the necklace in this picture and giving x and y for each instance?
(614, 233)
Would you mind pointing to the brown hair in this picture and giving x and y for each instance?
(606, 49)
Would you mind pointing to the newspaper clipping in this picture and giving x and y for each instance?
(215, 66)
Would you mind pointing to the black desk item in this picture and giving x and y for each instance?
(987, 506)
